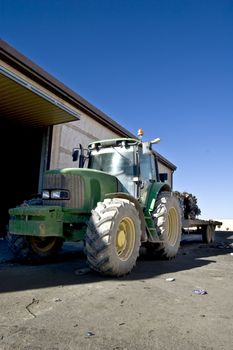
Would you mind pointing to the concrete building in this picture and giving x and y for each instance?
(41, 121)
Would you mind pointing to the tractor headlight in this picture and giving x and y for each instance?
(45, 194)
(55, 194)
(59, 194)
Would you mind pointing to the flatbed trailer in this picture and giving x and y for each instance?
(204, 227)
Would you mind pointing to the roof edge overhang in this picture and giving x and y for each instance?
(69, 115)
(36, 73)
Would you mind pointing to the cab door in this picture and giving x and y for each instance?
(148, 173)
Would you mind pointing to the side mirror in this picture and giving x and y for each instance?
(75, 154)
(78, 154)
(163, 177)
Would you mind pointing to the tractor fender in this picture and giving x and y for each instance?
(153, 193)
(137, 206)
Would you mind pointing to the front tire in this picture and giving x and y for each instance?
(113, 237)
(33, 249)
(167, 216)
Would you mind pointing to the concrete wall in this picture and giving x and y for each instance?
(67, 136)
(165, 169)
(86, 130)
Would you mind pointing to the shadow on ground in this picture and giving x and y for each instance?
(70, 267)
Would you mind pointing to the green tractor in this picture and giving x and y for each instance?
(115, 202)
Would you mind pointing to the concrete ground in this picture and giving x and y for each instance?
(62, 305)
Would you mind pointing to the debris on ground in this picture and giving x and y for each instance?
(199, 291)
(90, 334)
(170, 279)
(34, 301)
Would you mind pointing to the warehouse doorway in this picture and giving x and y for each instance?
(27, 115)
(20, 154)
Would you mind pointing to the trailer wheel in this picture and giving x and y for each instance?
(167, 216)
(33, 249)
(113, 237)
(208, 234)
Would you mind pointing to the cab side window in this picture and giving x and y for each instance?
(147, 166)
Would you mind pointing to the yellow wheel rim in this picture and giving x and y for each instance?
(172, 227)
(42, 244)
(125, 238)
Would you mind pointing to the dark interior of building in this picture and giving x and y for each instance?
(20, 147)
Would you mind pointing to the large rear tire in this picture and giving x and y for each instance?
(167, 216)
(113, 237)
(33, 249)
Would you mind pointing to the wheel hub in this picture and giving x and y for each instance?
(125, 238)
(121, 239)
(42, 244)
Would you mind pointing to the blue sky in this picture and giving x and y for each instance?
(163, 65)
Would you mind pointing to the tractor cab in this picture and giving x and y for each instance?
(131, 161)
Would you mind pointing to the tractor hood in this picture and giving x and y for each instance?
(78, 188)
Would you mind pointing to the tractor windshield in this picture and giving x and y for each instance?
(117, 161)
